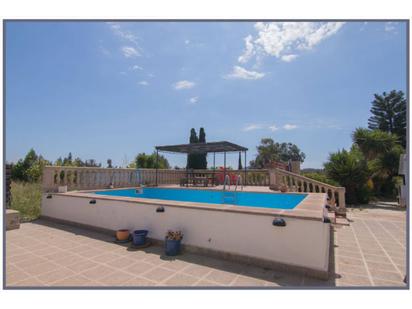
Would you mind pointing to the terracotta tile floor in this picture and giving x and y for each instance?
(370, 252)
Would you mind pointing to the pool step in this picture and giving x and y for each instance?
(229, 197)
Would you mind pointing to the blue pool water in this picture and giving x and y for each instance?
(250, 199)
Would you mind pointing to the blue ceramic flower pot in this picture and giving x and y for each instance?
(172, 247)
(139, 237)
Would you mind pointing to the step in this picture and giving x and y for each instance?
(12, 219)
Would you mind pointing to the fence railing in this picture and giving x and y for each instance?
(89, 178)
(84, 178)
(299, 183)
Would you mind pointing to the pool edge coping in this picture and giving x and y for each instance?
(307, 209)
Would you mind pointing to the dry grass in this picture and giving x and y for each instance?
(26, 198)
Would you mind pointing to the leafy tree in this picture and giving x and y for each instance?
(30, 168)
(389, 114)
(92, 163)
(109, 163)
(350, 170)
(239, 165)
(269, 151)
(144, 160)
(68, 161)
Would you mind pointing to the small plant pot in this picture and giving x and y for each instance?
(122, 235)
(139, 237)
(172, 247)
(283, 189)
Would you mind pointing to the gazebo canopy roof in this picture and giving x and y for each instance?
(223, 146)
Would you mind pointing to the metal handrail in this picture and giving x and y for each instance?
(227, 180)
(239, 180)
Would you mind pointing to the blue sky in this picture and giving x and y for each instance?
(112, 90)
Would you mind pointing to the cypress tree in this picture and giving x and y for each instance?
(239, 167)
(191, 158)
(202, 156)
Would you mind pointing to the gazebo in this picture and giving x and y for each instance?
(196, 148)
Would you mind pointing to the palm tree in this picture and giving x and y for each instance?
(374, 142)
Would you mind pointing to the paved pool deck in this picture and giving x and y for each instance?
(370, 252)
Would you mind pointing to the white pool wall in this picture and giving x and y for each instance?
(302, 242)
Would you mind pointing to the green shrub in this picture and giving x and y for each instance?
(322, 178)
(350, 169)
(26, 198)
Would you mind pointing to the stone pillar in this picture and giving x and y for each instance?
(295, 167)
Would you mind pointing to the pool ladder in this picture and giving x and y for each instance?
(230, 197)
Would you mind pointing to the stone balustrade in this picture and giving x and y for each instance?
(299, 183)
(90, 178)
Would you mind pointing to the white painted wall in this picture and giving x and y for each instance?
(301, 243)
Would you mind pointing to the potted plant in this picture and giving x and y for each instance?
(122, 235)
(172, 242)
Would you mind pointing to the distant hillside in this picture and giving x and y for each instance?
(311, 170)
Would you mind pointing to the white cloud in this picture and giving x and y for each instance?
(241, 73)
(288, 58)
(290, 126)
(273, 128)
(130, 52)
(390, 26)
(143, 83)
(187, 42)
(283, 39)
(249, 50)
(183, 84)
(252, 127)
(136, 67)
(123, 34)
(194, 100)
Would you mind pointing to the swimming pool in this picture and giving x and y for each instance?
(239, 198)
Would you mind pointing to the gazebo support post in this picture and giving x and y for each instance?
(157, 163)
(224, 167)
(244, 182)
(214, 168)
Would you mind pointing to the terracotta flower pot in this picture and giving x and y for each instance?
(122, 234)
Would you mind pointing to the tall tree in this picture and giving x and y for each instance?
(389, 114)
(192, 157)
(269, 151)
(202, 157)
(30, 168)
(239, 166)
(109, 163)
